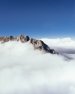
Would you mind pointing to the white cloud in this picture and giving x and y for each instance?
(65, 45)
(60, 42)
(24, 70)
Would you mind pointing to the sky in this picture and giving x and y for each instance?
(38, 18)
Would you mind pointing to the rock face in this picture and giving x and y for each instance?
(23, 38)
(6, 39)
(37, 44)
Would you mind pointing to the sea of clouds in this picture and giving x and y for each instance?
(24, 70)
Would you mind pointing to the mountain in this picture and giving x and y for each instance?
(37, 44)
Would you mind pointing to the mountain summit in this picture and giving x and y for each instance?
(37, 44)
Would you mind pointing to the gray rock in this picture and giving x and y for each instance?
(23, 38)
(11, 38)
(39, 44)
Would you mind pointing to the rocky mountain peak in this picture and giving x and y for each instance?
(37, 44)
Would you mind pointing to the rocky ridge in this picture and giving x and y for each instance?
(37, 44)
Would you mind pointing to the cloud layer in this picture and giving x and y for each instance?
(24, 70)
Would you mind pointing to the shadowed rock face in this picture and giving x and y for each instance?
(11, 38)
(23, 38)
(37, 44)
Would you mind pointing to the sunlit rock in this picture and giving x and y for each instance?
(37, 44)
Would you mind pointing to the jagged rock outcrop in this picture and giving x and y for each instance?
(37, 44)
(23, 38)
(6, 39)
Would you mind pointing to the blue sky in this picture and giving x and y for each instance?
(39, 18)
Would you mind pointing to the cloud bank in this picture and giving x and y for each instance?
(24, 70)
